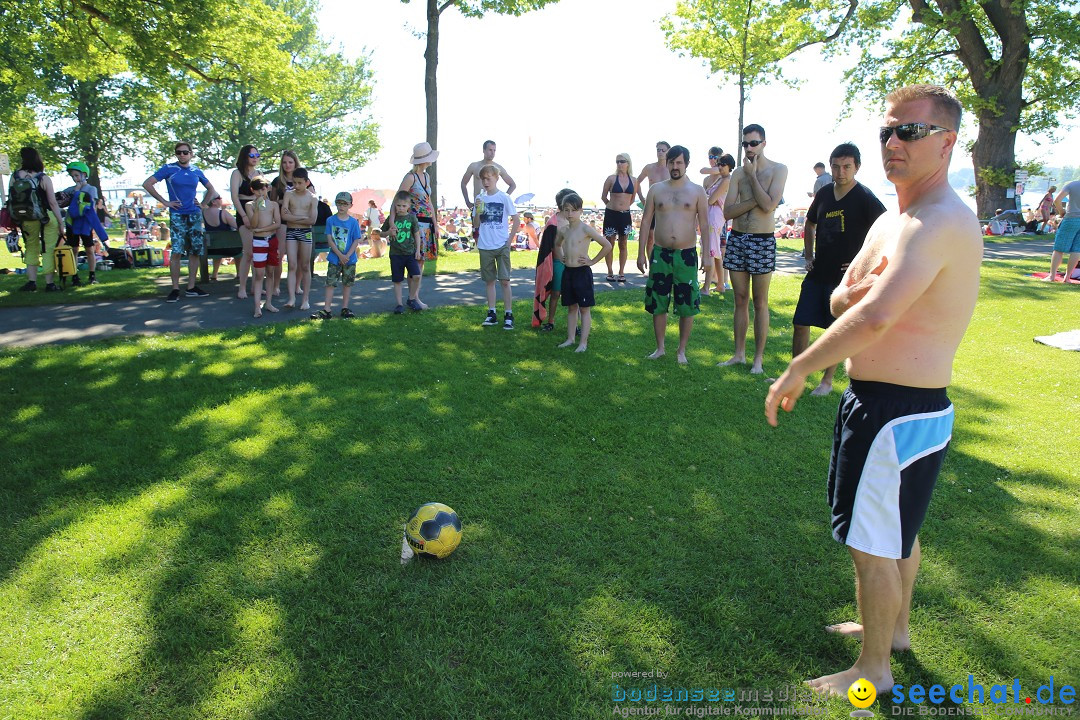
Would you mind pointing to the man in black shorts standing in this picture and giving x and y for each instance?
(837, 222)
(754, 193)
(901, 312)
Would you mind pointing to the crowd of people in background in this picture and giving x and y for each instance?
(78, 217)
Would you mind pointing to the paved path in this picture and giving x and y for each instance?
(84, 322)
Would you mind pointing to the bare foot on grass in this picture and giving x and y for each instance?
(566, 343)
(837, 685)
(681, 357)
(581, 348)
(656, 355)
(822, 389)
(901, 640)
(732, 361)
(756, 369)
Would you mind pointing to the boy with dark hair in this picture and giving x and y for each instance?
(299, 210)
(265, 220)
(549, 270)
(572, 246)
(405, 251)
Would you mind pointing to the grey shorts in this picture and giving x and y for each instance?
(495, 264)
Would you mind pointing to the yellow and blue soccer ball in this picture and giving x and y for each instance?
(434, 529)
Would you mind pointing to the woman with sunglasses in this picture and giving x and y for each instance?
(617, 196)
(716, 185)
(247, 169)
(418, 185)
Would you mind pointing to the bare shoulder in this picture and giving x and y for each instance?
(947, 222)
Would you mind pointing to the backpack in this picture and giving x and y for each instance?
(26, 200)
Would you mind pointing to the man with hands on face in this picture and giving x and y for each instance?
(753, 195)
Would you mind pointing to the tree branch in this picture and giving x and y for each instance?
(1056, 90)
(446, 5)
(853, 5)
(972, 50)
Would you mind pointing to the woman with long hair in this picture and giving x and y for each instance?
(282, 184)
(716, 188)
(417, 183)
(617, 196)
(43, 230)
(247, 169)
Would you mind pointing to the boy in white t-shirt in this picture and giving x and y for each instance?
(493, 209)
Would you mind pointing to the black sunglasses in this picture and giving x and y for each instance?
(183, 152)
(621, 161)
(909, 132)
(751, 143)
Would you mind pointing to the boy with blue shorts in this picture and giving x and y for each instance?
(405, 252)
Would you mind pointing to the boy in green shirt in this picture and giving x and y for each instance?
(405, 252)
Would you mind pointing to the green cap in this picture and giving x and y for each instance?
(343, 197)
(80, 166)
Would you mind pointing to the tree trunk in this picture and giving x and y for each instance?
(994, 158)
(738, 130)
(742, 83)
(88, 145)
(999, 80)
(431, 92)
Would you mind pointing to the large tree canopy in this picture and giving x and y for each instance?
(323, 116)
(1013, 65)
(99, 80)
(745, 40)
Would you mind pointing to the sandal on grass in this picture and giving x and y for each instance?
(347, 313)
(321, 315)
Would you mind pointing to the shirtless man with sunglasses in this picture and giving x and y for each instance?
(902, 309)
(753, 194)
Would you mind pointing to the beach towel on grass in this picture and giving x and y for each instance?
(544, 276)
(1065, 340)
(1058, 278)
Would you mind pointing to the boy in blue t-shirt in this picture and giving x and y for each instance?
(342, 235)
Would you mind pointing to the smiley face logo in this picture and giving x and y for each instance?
(862, 693)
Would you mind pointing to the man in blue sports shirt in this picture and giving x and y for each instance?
(185, 216)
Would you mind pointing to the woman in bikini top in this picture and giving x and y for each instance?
(247, 168)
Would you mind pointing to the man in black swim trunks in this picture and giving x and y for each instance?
(902, 309)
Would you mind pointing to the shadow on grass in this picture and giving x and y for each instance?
(242, 495)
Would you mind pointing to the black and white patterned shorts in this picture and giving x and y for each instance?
(753, 253)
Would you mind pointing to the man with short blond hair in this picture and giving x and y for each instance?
(902, 309)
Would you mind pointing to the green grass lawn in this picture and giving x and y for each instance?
(209, 525)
